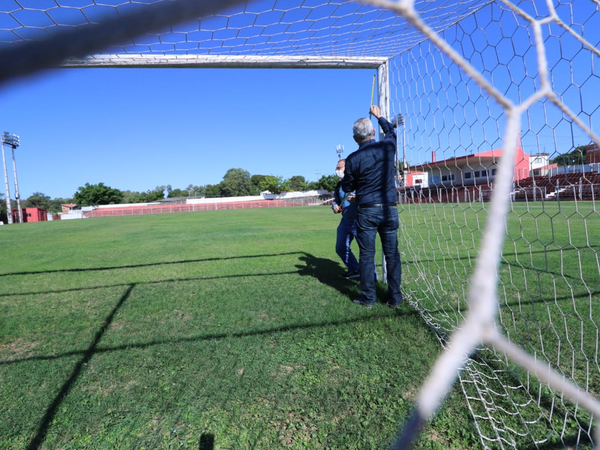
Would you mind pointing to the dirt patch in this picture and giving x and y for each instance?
(16, 349)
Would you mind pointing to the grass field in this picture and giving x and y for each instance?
(210, 330)
(231, 329)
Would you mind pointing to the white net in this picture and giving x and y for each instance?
(268, 27)
(500, 227)
(539, 66)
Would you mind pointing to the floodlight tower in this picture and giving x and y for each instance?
(13, 141)
(339, 149)
(7, 190)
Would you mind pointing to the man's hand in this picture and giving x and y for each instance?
(376, 111)
(336, 209)
(351, 198)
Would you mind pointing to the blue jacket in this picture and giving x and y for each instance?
(349, 210)
(370, 169)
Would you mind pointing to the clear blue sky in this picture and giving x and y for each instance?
(135, 129)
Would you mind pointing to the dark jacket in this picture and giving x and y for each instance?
(370, 169)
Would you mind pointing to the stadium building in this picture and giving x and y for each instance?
(471, 178)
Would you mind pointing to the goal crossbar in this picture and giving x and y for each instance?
(226, 61)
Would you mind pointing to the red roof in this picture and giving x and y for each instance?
(455, 162)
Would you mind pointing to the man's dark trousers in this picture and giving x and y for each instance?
(382, 220)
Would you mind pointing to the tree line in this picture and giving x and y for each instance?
(235, 183)
(575, 157)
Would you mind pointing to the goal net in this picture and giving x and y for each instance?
(513, 81)
(498, 160)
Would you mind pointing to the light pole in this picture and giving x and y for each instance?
(396, 121)
(13, 141)
(6, 188)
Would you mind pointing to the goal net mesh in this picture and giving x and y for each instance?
(548, 274)
(498, 159)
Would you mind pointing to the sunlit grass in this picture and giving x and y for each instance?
(219, 329)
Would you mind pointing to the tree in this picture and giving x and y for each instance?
(144, 197)
(572, 158)
(297, 183)
(55, 205)
(328, 182)
(97, 194)
(194, 191)
(173, 193)
(197, 191)
(284, 186)
(266, 183)
(3, 216)
(212, 190)
(37, 200)
(237, 183)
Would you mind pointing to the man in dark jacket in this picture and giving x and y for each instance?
(370, 172)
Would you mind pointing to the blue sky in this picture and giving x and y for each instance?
(135, 129)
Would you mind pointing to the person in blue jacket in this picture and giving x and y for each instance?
(346, 230)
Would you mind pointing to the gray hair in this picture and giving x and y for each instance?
(363, 129)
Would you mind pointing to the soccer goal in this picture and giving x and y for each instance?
(498, 159)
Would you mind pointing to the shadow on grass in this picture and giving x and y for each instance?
(210, 337)
(134, 266)
(42, 430)
(207, 442)
(327, 272)
(148, 283)
(321, 268)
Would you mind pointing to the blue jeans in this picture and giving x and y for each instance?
(382, 220)
(346, 232)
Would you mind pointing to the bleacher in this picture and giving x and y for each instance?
(446, 194)
(564, 186)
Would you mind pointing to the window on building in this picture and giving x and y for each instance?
(493, 172)
(444, 177)
(477, 174)
(468, 175)
(484, 173)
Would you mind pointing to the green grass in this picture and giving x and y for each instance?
(217, 329)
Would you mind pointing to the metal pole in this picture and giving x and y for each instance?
(17, 186)
(384, 105)
(8, 208)
(404, 163)
(397, 167)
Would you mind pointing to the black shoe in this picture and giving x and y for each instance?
(350, 275)
(361, 302)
